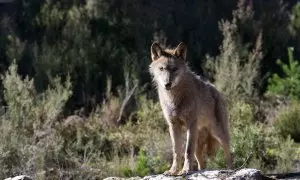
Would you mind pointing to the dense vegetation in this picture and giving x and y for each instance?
(77, 100)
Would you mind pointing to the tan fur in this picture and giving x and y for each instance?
(189, 102)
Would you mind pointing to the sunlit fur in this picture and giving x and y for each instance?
(189, 103)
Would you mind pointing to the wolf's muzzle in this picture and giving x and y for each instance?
(168, 86)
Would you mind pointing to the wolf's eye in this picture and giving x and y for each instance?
(161, 68)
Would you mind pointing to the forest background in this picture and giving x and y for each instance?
(77, 100)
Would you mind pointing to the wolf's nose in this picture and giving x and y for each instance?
(168, 85)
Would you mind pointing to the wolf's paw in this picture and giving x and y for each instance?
(170, 172)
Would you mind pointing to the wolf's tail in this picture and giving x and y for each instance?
(208, 140)
(222, 121)
(221, 115)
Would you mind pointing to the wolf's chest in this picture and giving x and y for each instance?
(170, 109)
(176, 106)
(175, 110)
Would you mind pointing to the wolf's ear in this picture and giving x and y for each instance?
(181, 51)
(155, 51)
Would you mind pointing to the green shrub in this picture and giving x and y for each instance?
(288, 122)
(285, 152)
(280, 152)
(29, 110)
(256, 145)
(142, 165)
(246, 135)
(294, 26)
(235, 70)
(289, 84)
(29, 141)
(146, 165)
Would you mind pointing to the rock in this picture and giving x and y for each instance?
(21, 177)
(247, 173)
(118, 178)
(242, 174)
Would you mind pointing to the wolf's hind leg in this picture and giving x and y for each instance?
(223, 139)
(200, 149)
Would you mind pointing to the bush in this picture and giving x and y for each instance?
(284, 152)
(235, 70)
(288, 122)
(146, 165)
(256, 145)
(246, 134)
(30, 142)
(280, 153)
(289, 84)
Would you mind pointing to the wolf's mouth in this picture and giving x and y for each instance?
(168, 88)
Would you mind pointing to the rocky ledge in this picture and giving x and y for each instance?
(241, 174)
(21, 177)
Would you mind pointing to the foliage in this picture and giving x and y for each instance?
(284, 152)
(295, 18)
(28, 135)
(236, 70)
(288, 123)
(246, 134)
(289, 84)
(256, 145)
(280, 152)
(145, 165)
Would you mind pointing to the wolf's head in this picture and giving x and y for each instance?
(168, 65)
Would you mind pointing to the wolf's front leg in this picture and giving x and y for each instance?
(175, 133)
(192, 137)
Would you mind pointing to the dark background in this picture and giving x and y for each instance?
(98, 42)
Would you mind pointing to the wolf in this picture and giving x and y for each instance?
(191, 106)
